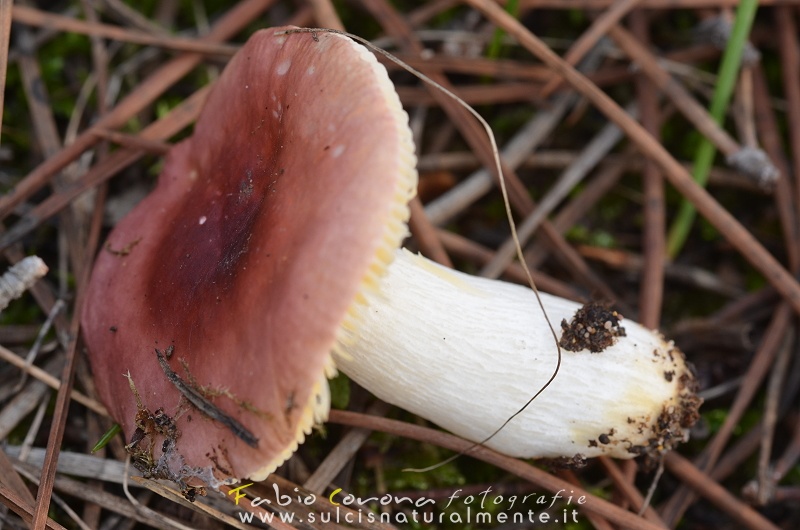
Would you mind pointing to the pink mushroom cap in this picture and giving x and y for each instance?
(247, 259)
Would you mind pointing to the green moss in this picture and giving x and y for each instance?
(340, 391)
(597, 237)
(24, 310)
(714, 418)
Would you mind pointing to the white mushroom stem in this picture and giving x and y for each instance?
(467, 353)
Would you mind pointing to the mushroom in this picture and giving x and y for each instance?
(222, 293)
(267, 250)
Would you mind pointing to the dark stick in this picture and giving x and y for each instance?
(205, 406)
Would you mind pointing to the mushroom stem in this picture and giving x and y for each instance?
(467, 353)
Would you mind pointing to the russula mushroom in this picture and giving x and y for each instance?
(265, 229)
(264, 253)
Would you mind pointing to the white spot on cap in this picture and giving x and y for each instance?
(203, 220)
(283, 67)
(278, 114)
(311, 70)
(337, 151)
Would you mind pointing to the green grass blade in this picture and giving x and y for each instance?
(111, 433)
(704, 158)
(496, 44)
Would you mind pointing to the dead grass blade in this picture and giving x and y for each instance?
(718, 495)
(755, 375)
(594, 504)
(5, 37)
(147, 91)
(42, 375)
(718, 216)
(608, 19)
(180, 117)
(34, 17)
